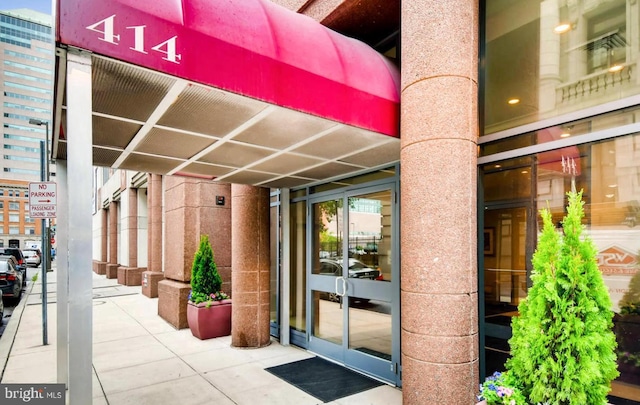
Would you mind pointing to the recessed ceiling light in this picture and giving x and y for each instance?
(524, 172)
(613, 185)
(513, 101)
(609, 195)
(562, 28)
(612, 151)
(615, 68)
(497, 166)
(565, 135)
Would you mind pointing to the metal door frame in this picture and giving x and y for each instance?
(388, 371)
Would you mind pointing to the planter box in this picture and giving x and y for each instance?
(209, 322)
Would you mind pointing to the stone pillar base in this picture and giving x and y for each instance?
(131, 276)
(101, 268)
(121, 275)
(150, 280)
(172, 302)
(112, 270)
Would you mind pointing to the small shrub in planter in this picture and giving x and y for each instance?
(563, 347)
(206, 282)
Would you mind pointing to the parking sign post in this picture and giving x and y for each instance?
(42, 204)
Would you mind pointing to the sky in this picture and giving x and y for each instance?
(43, 6)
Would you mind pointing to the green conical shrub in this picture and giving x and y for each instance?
(563, 346)
(205, 279)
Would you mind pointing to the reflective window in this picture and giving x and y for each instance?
(608, 172)
(548, 58)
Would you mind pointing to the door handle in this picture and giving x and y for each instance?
(344, 286)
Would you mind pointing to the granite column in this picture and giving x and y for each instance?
(439, 129)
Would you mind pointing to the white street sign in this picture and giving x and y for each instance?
(43, 200)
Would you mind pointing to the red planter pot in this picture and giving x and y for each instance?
(209, 322)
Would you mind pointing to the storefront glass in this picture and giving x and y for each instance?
(608, 172)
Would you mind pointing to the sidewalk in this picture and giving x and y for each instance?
(138, 358)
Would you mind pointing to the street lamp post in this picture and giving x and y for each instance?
(35, 121)
(46, 250)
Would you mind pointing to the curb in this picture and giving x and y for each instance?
(9, 334)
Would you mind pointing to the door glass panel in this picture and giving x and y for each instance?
(327, 238)
(328, 319)
(370, 234)
(370, 327)
(370, 219)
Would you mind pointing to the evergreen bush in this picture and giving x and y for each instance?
(206, 282)
(563, 346)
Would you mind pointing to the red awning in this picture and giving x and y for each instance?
(252, 47)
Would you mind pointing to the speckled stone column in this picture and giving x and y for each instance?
(113, 232)
(155, 223)
(250, 263)
(104, 238)
(153, 275)
(439, 129)
(132, 221)
(149, 221)
(111, 270)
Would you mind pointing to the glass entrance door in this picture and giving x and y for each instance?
(352, 281)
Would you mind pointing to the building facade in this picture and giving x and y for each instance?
(26, 55)
(448, 230)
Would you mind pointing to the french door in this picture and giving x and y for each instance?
(353, 278)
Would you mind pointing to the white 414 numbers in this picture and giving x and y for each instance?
(167, 48)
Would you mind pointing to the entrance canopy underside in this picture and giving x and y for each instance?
(243, 92)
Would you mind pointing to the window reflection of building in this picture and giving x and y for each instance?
(557, 56)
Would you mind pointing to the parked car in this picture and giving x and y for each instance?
(357, 269)
(10, 278)
(17, 254)
(32, 257)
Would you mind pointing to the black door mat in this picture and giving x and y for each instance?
(323, 379)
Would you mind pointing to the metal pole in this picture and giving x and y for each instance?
(48, 176)
(43, 265)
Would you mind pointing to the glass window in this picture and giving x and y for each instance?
(14, 230)
(548, 58)
(608, 172)
(14, 218)
(298, 257)
(14, 206)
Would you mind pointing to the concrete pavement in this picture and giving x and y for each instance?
(138, 358)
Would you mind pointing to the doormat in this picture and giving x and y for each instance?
(323, 379)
